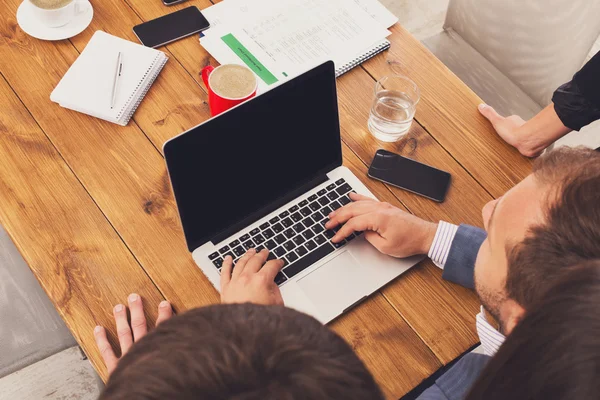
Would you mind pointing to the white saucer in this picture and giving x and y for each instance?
(31, 26)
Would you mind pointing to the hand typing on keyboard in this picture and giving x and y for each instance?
(392, 231)
(252, 279)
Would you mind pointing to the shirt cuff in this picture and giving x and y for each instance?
(441, 243)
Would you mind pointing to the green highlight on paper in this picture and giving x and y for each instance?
(249, 59)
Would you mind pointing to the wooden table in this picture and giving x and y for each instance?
(89, 205)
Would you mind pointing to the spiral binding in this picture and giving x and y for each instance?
(133, 107)
(362, 58)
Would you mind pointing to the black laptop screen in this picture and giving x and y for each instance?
(227, 170)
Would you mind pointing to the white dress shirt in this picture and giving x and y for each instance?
(490, 338)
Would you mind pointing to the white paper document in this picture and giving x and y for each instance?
(280, 39)
(378, 12)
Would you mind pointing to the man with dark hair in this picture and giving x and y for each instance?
(250, 348)
(546, 223)
(241, 351)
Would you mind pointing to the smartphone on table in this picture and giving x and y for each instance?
(171, 27)
(410, 175)
(171, 2)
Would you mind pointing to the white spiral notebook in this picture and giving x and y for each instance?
(362, 57)
(87, 85)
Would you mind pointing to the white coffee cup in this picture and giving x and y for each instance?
(54, 18)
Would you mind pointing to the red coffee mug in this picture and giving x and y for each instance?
(216, 102)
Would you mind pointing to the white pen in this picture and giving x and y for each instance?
(118, 71)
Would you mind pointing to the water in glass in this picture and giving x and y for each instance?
(393, 108)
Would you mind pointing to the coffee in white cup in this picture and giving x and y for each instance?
(56, 13)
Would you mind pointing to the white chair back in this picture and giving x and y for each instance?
(538, 44)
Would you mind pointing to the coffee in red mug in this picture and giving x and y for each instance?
(228, 85)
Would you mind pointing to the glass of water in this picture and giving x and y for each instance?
(394, 107)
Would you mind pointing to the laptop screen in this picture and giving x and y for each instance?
(228, 170)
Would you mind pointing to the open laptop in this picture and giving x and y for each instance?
(266, 174)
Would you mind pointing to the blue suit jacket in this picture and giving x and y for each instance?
(459, 268)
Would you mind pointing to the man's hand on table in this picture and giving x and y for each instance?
(529, 137)
(128, 333)
(506, 127)
(252, 281)
(392, 231)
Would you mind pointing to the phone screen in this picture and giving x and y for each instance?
(410, 175)
(171, 27)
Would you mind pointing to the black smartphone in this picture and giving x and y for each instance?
(410, 175)
(171, 2)
(171, 27)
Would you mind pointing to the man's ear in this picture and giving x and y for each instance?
(513, 313)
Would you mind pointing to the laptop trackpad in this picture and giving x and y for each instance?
(335, 285)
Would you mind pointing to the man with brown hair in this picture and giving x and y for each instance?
(241, 351)
(250, 348)
(546, 223)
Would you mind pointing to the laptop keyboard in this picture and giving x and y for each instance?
(297, 236)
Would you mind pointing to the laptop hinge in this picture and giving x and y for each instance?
(249, 220)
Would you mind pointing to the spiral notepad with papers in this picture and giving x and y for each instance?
(366, 55)
(87, 85)
(281, 39)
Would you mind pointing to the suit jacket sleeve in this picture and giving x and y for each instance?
(461, 259)
(456, 383)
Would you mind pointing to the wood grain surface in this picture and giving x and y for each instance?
(89, 204)
(118, 166)
(78, 257)
(448, 111)
(428, 303)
